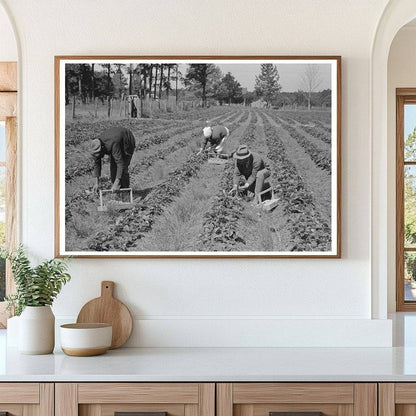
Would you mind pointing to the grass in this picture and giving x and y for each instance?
(178, 227)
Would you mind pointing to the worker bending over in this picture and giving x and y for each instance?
(250, 167)
(119, 144)
(215, 136)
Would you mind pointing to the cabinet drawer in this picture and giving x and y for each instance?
(153, 399)
(21, 399)
(296, 399)
(397, 399)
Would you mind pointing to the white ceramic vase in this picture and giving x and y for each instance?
(37, 330)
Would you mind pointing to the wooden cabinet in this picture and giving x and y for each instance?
(397, 399)
(208, 399)
(106, 399)
(264, 399)
(27, 399)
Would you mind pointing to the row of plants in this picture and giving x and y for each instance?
(220, 226)
(80, 131)
(308, 116)
(321, 158)
(317, 133)
(307, 229)
(323, 126)
(317, 130)
(133, 224)
(201, 114)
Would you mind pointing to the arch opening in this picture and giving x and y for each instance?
(397, 14)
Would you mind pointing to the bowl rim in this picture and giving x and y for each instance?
(86, 325)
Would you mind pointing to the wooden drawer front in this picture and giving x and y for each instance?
(138, 393)
(19, 393)
(293, 393)
(331, 399)
(104, 399)
(27, 399)
(405, 393)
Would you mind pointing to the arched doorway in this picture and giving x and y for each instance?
(396, 14)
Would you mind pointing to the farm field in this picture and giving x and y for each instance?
(181, 202)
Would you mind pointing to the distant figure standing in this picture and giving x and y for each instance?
(215, 136)
(251, 167)
(119, 144)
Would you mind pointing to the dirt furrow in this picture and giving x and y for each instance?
(317, 181)
(219, 228)
(308, 230)
(263, 231)
(319, 138)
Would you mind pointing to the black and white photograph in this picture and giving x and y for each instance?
(198, 157)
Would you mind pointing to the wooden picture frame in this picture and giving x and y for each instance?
(165, 102)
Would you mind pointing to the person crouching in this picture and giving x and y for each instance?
(250, 167)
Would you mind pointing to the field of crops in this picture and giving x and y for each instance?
(181, 202)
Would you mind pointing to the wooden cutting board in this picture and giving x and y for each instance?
(107, 309)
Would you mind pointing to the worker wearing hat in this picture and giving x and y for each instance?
(251, 167)
(216, 136)
(119, 144)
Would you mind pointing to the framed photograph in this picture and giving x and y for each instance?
(198, 156)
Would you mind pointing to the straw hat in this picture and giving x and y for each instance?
(242, 152)
(95, 147)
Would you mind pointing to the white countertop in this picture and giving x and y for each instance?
(213, 364)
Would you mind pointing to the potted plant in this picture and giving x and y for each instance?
(36, 289)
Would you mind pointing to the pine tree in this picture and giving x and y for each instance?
(267, 83)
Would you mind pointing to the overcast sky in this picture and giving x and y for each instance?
(290, 75)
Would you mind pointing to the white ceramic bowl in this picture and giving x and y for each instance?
(83, 340)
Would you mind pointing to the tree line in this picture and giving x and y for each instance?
(90, 81)
(203, 81)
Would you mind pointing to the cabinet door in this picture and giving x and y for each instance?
(26, 399)
(145, 399)
(296, 399)
(397, 399)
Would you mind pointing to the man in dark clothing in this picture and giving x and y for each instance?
(119, 144)
(216, 136)
(252, 168)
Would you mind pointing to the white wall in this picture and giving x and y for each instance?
(401, 74)
(8, 47)
(181, 301)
